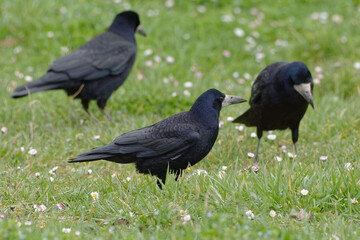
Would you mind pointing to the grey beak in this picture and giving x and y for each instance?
(228, 100)
(304, 90)
(140, 30)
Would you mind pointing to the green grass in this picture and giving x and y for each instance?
(137, 209)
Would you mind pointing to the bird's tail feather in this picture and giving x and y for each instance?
(49, 81)
(89, 158)
(108, 152)
(246, 118)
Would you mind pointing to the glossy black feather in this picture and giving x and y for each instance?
(175, 142)
(95, 70)
(274, 103)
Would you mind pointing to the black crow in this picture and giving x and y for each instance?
(279, 98)
(95, 70)
(173, 143)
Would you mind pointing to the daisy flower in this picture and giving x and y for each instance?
(4, 129)
(323, 158)
(32, 151)
(304, 192)
(271, 136)
(272, 213)
(95, 195)
(188, 84)
(250, 214)
(41, 207)
(66, 230)
(170, 59)
(250, 155)
(60, 206)
(185, 217)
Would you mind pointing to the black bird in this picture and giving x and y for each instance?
(95, 70)
(175, 142)
(279, 98)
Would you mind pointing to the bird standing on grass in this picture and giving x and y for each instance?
(97, 69)
(279, 98)
(173, 143)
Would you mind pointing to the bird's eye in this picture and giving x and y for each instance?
(222, 98)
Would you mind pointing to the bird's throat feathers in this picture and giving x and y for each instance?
(205, 112)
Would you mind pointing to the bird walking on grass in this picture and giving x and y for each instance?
(95, 70)
(279, 99)
(173, 143)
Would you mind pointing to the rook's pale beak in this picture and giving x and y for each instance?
(140, 30)
(232, 100)
(305, 91)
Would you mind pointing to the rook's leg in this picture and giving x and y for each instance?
(85, 104)
(107, 115)
(295, 136)
(259, 135)
(101, 104)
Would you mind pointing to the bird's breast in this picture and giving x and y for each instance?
(204, 146)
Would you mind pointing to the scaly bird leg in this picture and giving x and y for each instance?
(259, 135)
(101, 104)
(106, 115)
(85, 104)
(256, 158)
(295, 136)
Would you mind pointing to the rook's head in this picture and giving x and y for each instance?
(301, 79)
(127, 21)
(215, 100)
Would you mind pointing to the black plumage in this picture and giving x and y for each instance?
(279, 98)
(95, 70)
(175, 142)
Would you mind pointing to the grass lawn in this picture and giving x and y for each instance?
(214, 44)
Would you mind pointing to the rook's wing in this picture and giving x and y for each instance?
(257, 89)
(106, 54)
(170, 141)
(263, 79)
